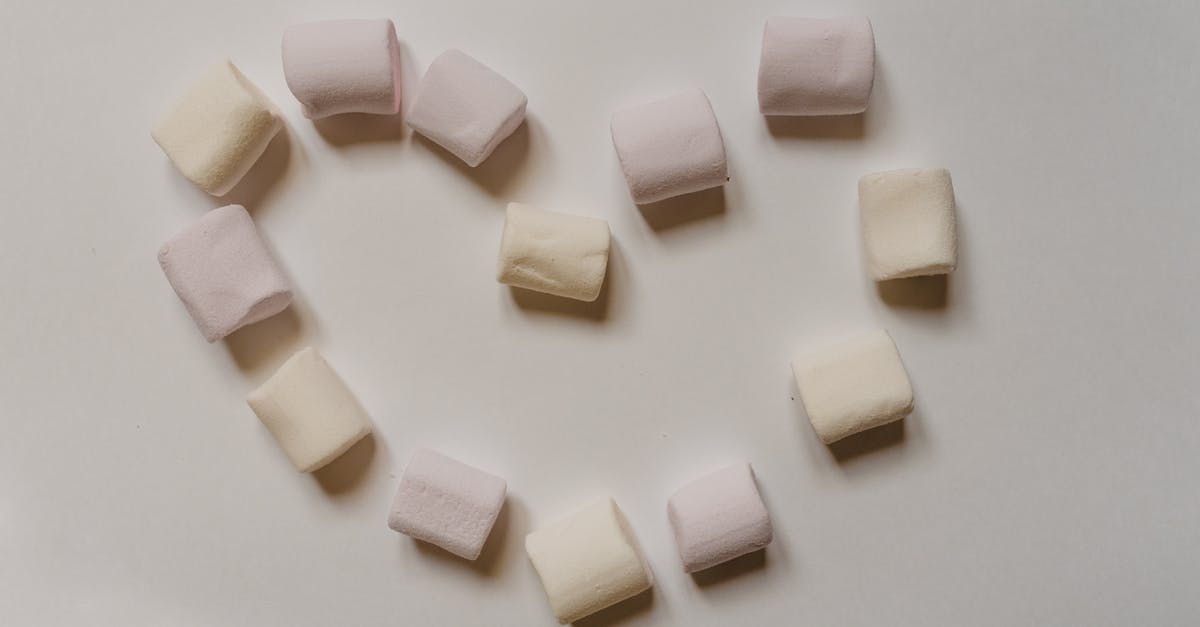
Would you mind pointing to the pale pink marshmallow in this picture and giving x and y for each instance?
(466, 107)
(816, 66)
(718, 517)
(343, 66)
(448, 503)
(670, 147)
(223, 272)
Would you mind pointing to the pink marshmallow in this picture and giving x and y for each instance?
(223, 272)
(670, 147)
(343, 66)
(719, 517)
(466, 107)
(816, 66)
(448, 503)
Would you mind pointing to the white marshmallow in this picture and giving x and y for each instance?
(588, 561)
(854, 386)
(446, 502)
(670, 147)
(310, 411)
(555, 253)
(218, 129)
(908, 223)
(466, 107)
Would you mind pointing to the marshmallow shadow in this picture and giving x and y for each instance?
(672, 212)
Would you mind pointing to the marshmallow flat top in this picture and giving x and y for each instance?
(343, 66)
(588, 561)
(670, 147)
(223, 272)
(853, 386)
(908, 223)
(218, 129)
(309, 410)
(554, 253)
(446, 502)
(719, 517)
(465, 107)
(816, 66)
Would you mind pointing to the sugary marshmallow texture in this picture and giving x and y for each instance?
(310, 411)
(670, 147)
(816, 66)
(466, 107)
(718, 517)
(223, 272)
(853, 386)
(554, 253)
(446, 502)
(908, 223)
(588, 561)
(343, 66)
(218, 129)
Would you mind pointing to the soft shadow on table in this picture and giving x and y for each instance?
(755, 562)
(672, 212)
(267, 341)
(838, 127)
(596, 311)
(922, 292)
(504, 542)
(347, 472)
(500, 171)
(871, 440)
(621, 612)
(266, 173)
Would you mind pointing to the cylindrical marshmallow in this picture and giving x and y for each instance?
(908, 223)
(343, 66)
(719, 517)
(553, 253)
(670, 147)
(816, 66)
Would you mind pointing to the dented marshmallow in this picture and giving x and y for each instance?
(309, 410)
(221, 269)
(853, 386)
(555, 253)
(816, 66)
(588, 561)
(465, 107)
(218, 129)
(445, 502)
(343, 66)
(908, 223)
(670, 147)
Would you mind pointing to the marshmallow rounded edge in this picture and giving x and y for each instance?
(343, 66)
(853, 386)
(814, 67)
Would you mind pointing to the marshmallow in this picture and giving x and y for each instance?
(310, 411)
(908, 223)
(854, 386)
(670, 147)
(815, 66)
(343, 66)
(446, 502)
(719, 517)
(222, 271)
(218, 129)
(466, 107)
(588, 561)
(555, 253)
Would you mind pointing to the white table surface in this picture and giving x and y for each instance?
(1050, 473)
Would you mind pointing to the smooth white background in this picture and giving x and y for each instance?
(1048, 477)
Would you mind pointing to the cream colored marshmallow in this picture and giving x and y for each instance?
(908, 223)
(854, 386)
(588, 561)
(218, 129)
(555, 253)
(310, 411)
